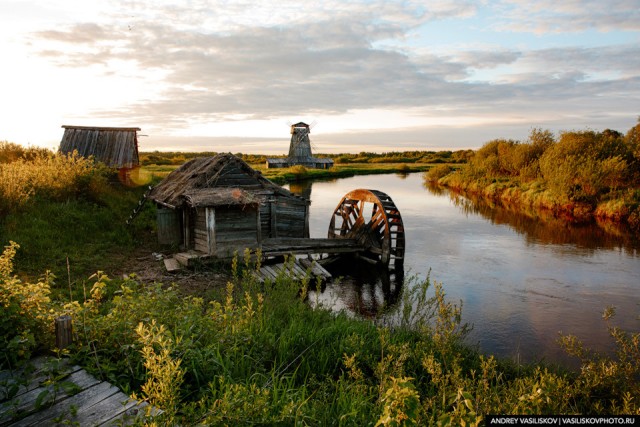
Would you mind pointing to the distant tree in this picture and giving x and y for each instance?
(632, 140)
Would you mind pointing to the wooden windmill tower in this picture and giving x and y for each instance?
(300, 151)
(300, 147)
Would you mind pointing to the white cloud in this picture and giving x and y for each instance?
(181, 68)
(544, 16)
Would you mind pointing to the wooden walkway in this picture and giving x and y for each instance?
(285, 246)
(51, 392)
(273, 247)
(297, 269)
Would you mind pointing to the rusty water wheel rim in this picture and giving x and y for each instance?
(378, 227)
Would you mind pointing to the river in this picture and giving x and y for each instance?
(522, 279)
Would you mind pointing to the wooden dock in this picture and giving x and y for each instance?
(273, 247)
(285, 246)
(298, 269)
(51, 392)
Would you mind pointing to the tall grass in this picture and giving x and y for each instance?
(65, 208)
(258, 354)
(48, 175)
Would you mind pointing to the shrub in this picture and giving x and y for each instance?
(52, 176)
(437, 172)
(299, 171)
(26, 318)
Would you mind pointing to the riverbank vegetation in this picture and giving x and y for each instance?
(580, 175)
(160, 158)
(253, 353)
(250, 353)
(301, 173)
(160, 164)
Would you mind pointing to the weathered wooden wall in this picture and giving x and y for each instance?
(291, 218)
(236, 229)
(201, 233)
(115, 147)
(169, 227)
(284, 217)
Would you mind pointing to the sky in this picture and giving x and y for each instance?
(372, 75)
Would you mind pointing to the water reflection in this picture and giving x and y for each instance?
(523, 277)
(301, 188)
(361, 288)
(543, 227)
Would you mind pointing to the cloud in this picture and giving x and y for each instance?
(215, 63)
(544, 16)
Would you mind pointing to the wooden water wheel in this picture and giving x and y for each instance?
(371, 218)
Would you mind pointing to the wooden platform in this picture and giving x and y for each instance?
(297, 269)
(273, 247)
(55, 393)
(285, 246)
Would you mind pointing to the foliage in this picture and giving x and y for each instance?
(400, 404)
(26, 318)
(437, 172)
(164, 375)
(177, 158)
(65, 209)
(257, 353)
(582, 174)
(11, 152)
(600, 374)
(47, 175)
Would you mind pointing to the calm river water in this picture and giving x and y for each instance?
(522, 279)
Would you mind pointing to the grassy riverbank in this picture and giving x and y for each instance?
(247, 353)
(581, 175)
(300, 173)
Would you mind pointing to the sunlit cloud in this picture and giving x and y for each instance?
(217, 68)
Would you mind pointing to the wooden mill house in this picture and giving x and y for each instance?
(116, 147)
(300, 151)
(218, 205)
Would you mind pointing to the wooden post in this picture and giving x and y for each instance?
(64, 328)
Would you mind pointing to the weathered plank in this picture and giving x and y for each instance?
(85, 398)
(298, 269)
(172, 265)
(33, 379)
(316, 269)
(26, 403)
(94, 402)
(117, 406)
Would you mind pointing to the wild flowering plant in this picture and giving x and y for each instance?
(26, 315)
(54, 176)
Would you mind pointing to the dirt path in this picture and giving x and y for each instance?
(146, 262)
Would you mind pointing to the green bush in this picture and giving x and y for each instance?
(437, 172)
(26, 317)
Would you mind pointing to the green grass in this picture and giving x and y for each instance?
(296, 173)
(91, 234)
(259, 354)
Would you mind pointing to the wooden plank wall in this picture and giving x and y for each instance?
(236, 229)
(115, 148)
(169, 227)
(200, 233)
(291, 217)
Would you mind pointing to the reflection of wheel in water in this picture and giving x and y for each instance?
(370, 217)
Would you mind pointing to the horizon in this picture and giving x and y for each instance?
(373, 75)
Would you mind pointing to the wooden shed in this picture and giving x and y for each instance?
(116, 147)
(218, 205)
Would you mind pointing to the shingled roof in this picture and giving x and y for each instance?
(116, 147)
(223, 179)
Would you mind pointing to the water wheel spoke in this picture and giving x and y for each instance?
(382, 234)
